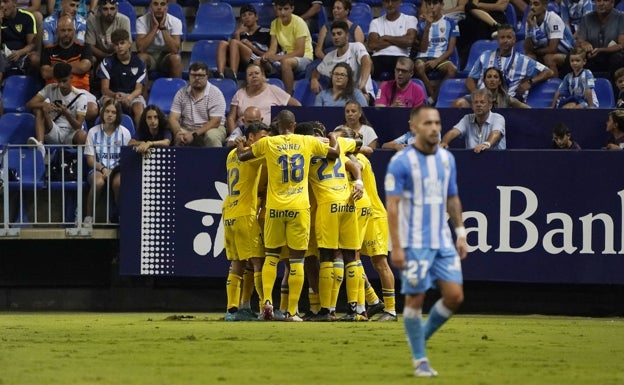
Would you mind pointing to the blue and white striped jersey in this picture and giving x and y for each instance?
(575, 86)
(551, 28)
(573, 11)
(440, 34)
(423, 182)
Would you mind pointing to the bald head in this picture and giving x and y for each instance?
(65, 31)
(251, 115)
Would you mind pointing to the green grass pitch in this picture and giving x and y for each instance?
(132, 348)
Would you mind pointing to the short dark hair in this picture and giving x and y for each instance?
(61, 70)
(256, 127)
(119, 35)
(281, 3)
(505, 27)
(560, 130)
(305, 128)
(198, 66)
(340, 24)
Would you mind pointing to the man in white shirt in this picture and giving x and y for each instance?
(354, 54)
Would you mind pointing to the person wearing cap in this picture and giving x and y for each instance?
(250, 42)
(68, 8)
(101, 25)
(159, 38)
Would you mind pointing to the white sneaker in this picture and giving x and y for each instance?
(88, 221)
(35, 142)
(423, 369)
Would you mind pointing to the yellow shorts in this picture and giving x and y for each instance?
(312, 245)
(376, 237)
(243, 238)
(287, 227)
(337, 226)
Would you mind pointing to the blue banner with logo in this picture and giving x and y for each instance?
(531, 216)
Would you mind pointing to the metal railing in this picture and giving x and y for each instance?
(46, 191)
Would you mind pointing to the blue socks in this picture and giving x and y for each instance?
(412, 319)
(438, 315)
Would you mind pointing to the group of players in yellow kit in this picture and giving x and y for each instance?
(325, 229)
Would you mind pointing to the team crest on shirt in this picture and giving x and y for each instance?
(442, 29)
(18, 27)
(134, 70)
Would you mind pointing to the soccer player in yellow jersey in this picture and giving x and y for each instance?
(287, 220)
(243, 239)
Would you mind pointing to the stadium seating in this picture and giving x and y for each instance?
(139, 3)
(162, 92)
(16, 128)
(322, 19)
(362, 15)
(519, 47)
(176, 10)
(542, 94)
(266, 14)
(303, 93)
(450, 90)
(126, 121)
(213, 21)
(228, 87)
(276, 82)
(372, 3)
(204, 51)
(128, 10)
(521, 28)
(510, 15)
(18, 90)
(28, 166)
(422, 85)
(406, 8)
(604, 93)
(477, 48)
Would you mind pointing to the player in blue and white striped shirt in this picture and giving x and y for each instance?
(438, 37)
(421, 189)
(519, 71)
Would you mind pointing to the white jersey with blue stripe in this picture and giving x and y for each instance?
(552, 27)
(424, 182)
(573, 11)
(440, 33)
(575, 86)
(515, 68)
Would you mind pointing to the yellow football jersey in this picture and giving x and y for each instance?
(287, 158)
(242, 181)
(328, 177)
(370, 186)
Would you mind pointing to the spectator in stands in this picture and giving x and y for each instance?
(59, 110)
(493, 82)
(308, 10)
(102, 154)
(354, 54)
(257, 93)
(78, 55)
(577, 90)
(197, 113)
(101, 25)
(123, 75)
(341, 89)
(289, 32)
(325, 42)
(573, 10)
(34, 7)
(401, 142)
(483, 17)
(562, 138)
(601, 35)
(453, 9)
(548, 39)
(356, 121)
(401, 92)
(84, 9)
(483, 129)
(390, 37)
(618, 79)
(438, 35)
(18, 41)
(615, 128)
(158, 40)
(250, 42)
(152, 131)
(250, 115)
(68, 8)
(520, 72)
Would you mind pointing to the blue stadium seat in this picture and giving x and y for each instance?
(213, 21)
(521, 30)
(519, 47)
(276, 82)
(303, 93)
(450, 90)
(228, 87)
(29, 167)
(236, 3)
(422, 85)
(18, 90)
(542, 94)
(139, 3)
(16, 128)
(176, 10)
(128, 10)
(126, 121)
(477, 48)
(204, 51)
(510, 15)
(162, 92)
(362, 15)
(604, 93)
(266, 14)
(620, 6)
(372, 3)
(322, 19)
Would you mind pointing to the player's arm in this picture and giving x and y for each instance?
(454, 208)
(355, 168)
(403, 41)
(397, 256)
(243, 153)
(334, 147)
